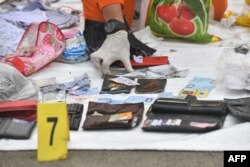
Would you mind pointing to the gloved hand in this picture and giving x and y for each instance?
(115, 47)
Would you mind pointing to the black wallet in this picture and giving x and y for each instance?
(185, 115)
(110, 87)
(75, 115)
(189, 106)
(239, 107)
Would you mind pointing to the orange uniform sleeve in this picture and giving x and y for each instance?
(103, 3)
(92, 9)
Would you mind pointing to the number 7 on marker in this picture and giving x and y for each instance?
(54, 121)
(53, 131)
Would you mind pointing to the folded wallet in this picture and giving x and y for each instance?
(185, 115)
(15, 128)
(113, 116)
(239, 107)
(183, 106)
(18, 108)
(75, 115)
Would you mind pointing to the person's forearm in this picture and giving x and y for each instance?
(113, 11)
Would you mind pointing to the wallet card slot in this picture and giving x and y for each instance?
(104, 112)
(113, 116)
(18, 113)
(203, 103)
(102, 122)
(109, 109)
(206, 104)
(202, 125)
(170, 108)
(182, 123)
(171, 101)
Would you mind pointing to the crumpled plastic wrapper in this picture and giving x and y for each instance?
(241, 17)
(228, 19)
(156, 72)
(75, 51)
(233, 68)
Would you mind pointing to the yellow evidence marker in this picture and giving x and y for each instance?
(53, 131)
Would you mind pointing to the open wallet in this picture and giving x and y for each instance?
(185, 115)
(113, 116)
(11, 128)
(110, 87)
(239, 107)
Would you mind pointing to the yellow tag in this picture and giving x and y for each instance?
(53, 131)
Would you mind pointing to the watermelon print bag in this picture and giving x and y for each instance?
(186, 19)
(40, 45)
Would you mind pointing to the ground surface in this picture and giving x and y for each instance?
(117, 159)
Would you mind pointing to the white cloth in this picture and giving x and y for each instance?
(25, 17)
(201, 61)
(9, 38)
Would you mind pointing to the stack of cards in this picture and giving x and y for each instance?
(199, 87)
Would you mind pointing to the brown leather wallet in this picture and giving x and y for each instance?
(113, 116)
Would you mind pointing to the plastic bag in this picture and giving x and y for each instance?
(232, 69)
(75, 51)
